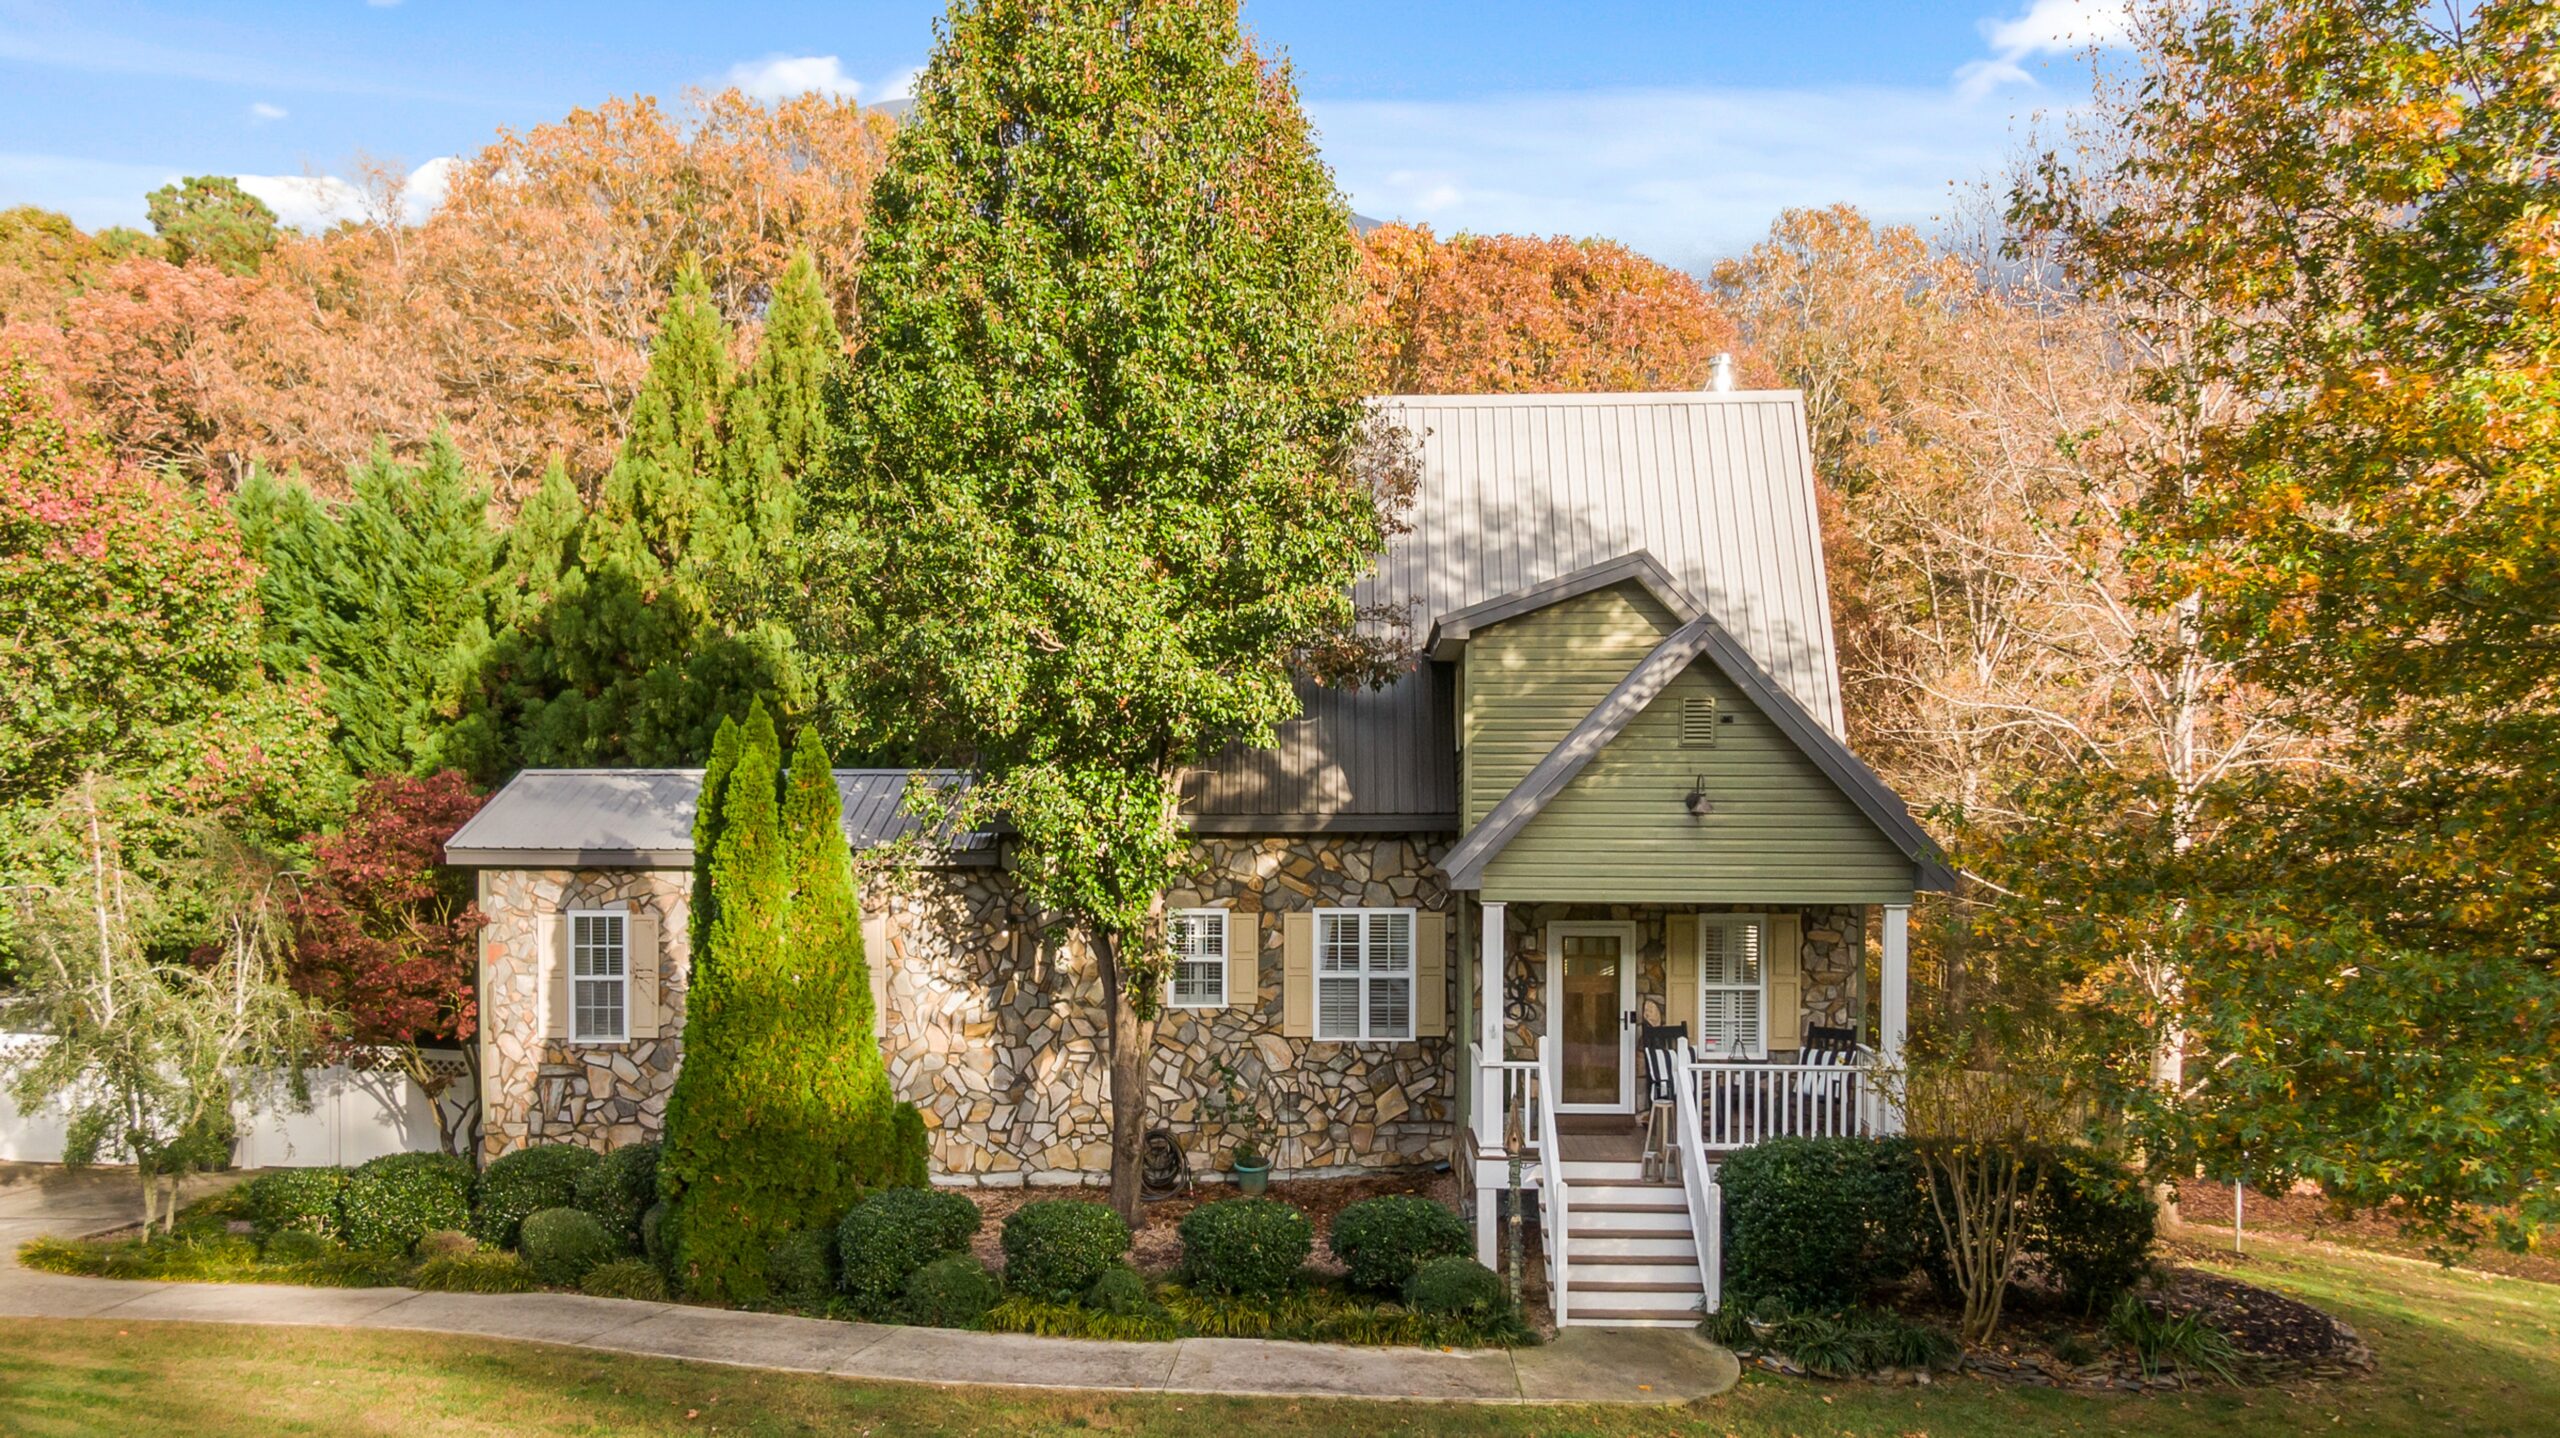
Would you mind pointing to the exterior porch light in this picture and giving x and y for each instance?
(1698, 804)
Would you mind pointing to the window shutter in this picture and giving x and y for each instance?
(1680, 974)
(553, 961)
(1747, 960)
(640, 961)
(875, 958)
(1786, 981)
(1430, 975)
(1298, 975)
(1244, 959)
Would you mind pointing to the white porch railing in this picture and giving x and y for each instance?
(1552, 1219)
(1742, 1104)
(1515, 1089)
(1698, 1183)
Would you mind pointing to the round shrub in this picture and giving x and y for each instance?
(619, 1190)
(624, 1278)
(392, 1201)
(887, 1237)
(954, 1291)
(1247, 1247)
(1381, 1241)
(561, 1244)
(801, 1268)
(1056, 1248)
(544, 1175)
(1120, 1292)
(439, 1242)
(1817, 1222)
(477, 1272)
(2094, 1228)
(297, 1245)
(1456, 1287)
(295, 1200)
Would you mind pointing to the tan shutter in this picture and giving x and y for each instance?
(1680, 973)
(1244, 959)
(1786, 982)
(640, 957)
(875, 958)
(1430, 975)
(553, 962)
(1298, 975)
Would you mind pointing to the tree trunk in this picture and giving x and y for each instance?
(1132, 1040)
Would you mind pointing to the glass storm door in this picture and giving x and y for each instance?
(1592, 971)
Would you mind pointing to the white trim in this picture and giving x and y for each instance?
(1225, 931)
(1625, 933)
(1759, 1049)
(1366, 974)
(620, 980)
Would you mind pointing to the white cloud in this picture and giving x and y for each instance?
(2045, 28)
(262, 112)
(1686, 176)
(780, 77)
(315, 202)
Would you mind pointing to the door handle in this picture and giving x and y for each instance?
(1627, 1019)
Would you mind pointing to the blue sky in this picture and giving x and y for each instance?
(1680, 128)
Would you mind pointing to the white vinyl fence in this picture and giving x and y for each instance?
(355, 1114)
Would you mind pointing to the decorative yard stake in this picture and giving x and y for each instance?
(1512, 1138)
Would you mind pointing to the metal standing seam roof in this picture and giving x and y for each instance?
(643, 818)
(1520, 490)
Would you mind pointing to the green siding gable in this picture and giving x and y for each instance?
(1620, 831)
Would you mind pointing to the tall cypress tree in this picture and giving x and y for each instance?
(782, 1115)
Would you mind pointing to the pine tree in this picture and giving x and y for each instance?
(782, 1114)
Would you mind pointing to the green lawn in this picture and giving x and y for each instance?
(2461, 1354)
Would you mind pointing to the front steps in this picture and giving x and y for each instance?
(1630, 1258)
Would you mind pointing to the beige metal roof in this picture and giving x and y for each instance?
(1520, 490)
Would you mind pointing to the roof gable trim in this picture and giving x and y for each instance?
(1451, 631)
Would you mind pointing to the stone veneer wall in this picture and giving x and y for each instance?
(538, 1090)
(996, 1034)
(1834, 945)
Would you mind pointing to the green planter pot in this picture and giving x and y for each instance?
(1252, 1177)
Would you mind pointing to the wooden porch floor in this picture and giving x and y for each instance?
(1598, 1137)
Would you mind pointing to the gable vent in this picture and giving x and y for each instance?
(1698, 722)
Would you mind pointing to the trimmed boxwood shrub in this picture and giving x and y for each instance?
(1056, 1248)
(1381, 1241)
(2094, 1228)
(1247, 1247)
(391, 1202)
(802, 1268)
(480, 1272)
(295, 1200)
(561, 1244)
(1121, 1292)
(624, 1278)
(1817, 1222)
(619, 1191)
(891, 1234)
(544, 1175)
(1453, 1286)
(954, 1291)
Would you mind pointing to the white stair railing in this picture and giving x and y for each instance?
(1551, 1194)
(1697, 1180)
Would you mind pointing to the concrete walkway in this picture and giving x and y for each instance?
(1583, 1365)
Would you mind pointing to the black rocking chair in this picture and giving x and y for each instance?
(1660, 1046)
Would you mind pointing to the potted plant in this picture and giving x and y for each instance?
(1241, 1117)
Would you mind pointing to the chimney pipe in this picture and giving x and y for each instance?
(1720, 374)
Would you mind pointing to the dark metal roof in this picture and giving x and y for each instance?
(1519, 491)
(643, 818)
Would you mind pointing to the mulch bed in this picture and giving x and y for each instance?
(1158, 1247)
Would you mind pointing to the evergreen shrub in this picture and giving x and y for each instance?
(542, 1175)
(1056, 1248)
(2095, 1227)
(1246, 1247)
(954, 1291)
(619, 1190)
(1381, 1241)
(801, 1268)
(561, 1244)
(624, 1278)
(1121, 1291)
(891, 1234)
(1453, 1286)
(294, 1199)
(391, 1202)
(1818, 1222)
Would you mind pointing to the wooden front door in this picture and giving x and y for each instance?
(1591, 992)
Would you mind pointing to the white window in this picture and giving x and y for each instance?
(1733, 987)
(1364, 973)
(1199, 958)
(599, 977)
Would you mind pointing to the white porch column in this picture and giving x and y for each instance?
(1491, 960)
(1895, 1017)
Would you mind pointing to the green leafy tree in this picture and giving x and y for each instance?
(782, 1115)
(2345, 212)
(1103, 475)
(386, 597)
(210, 218)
